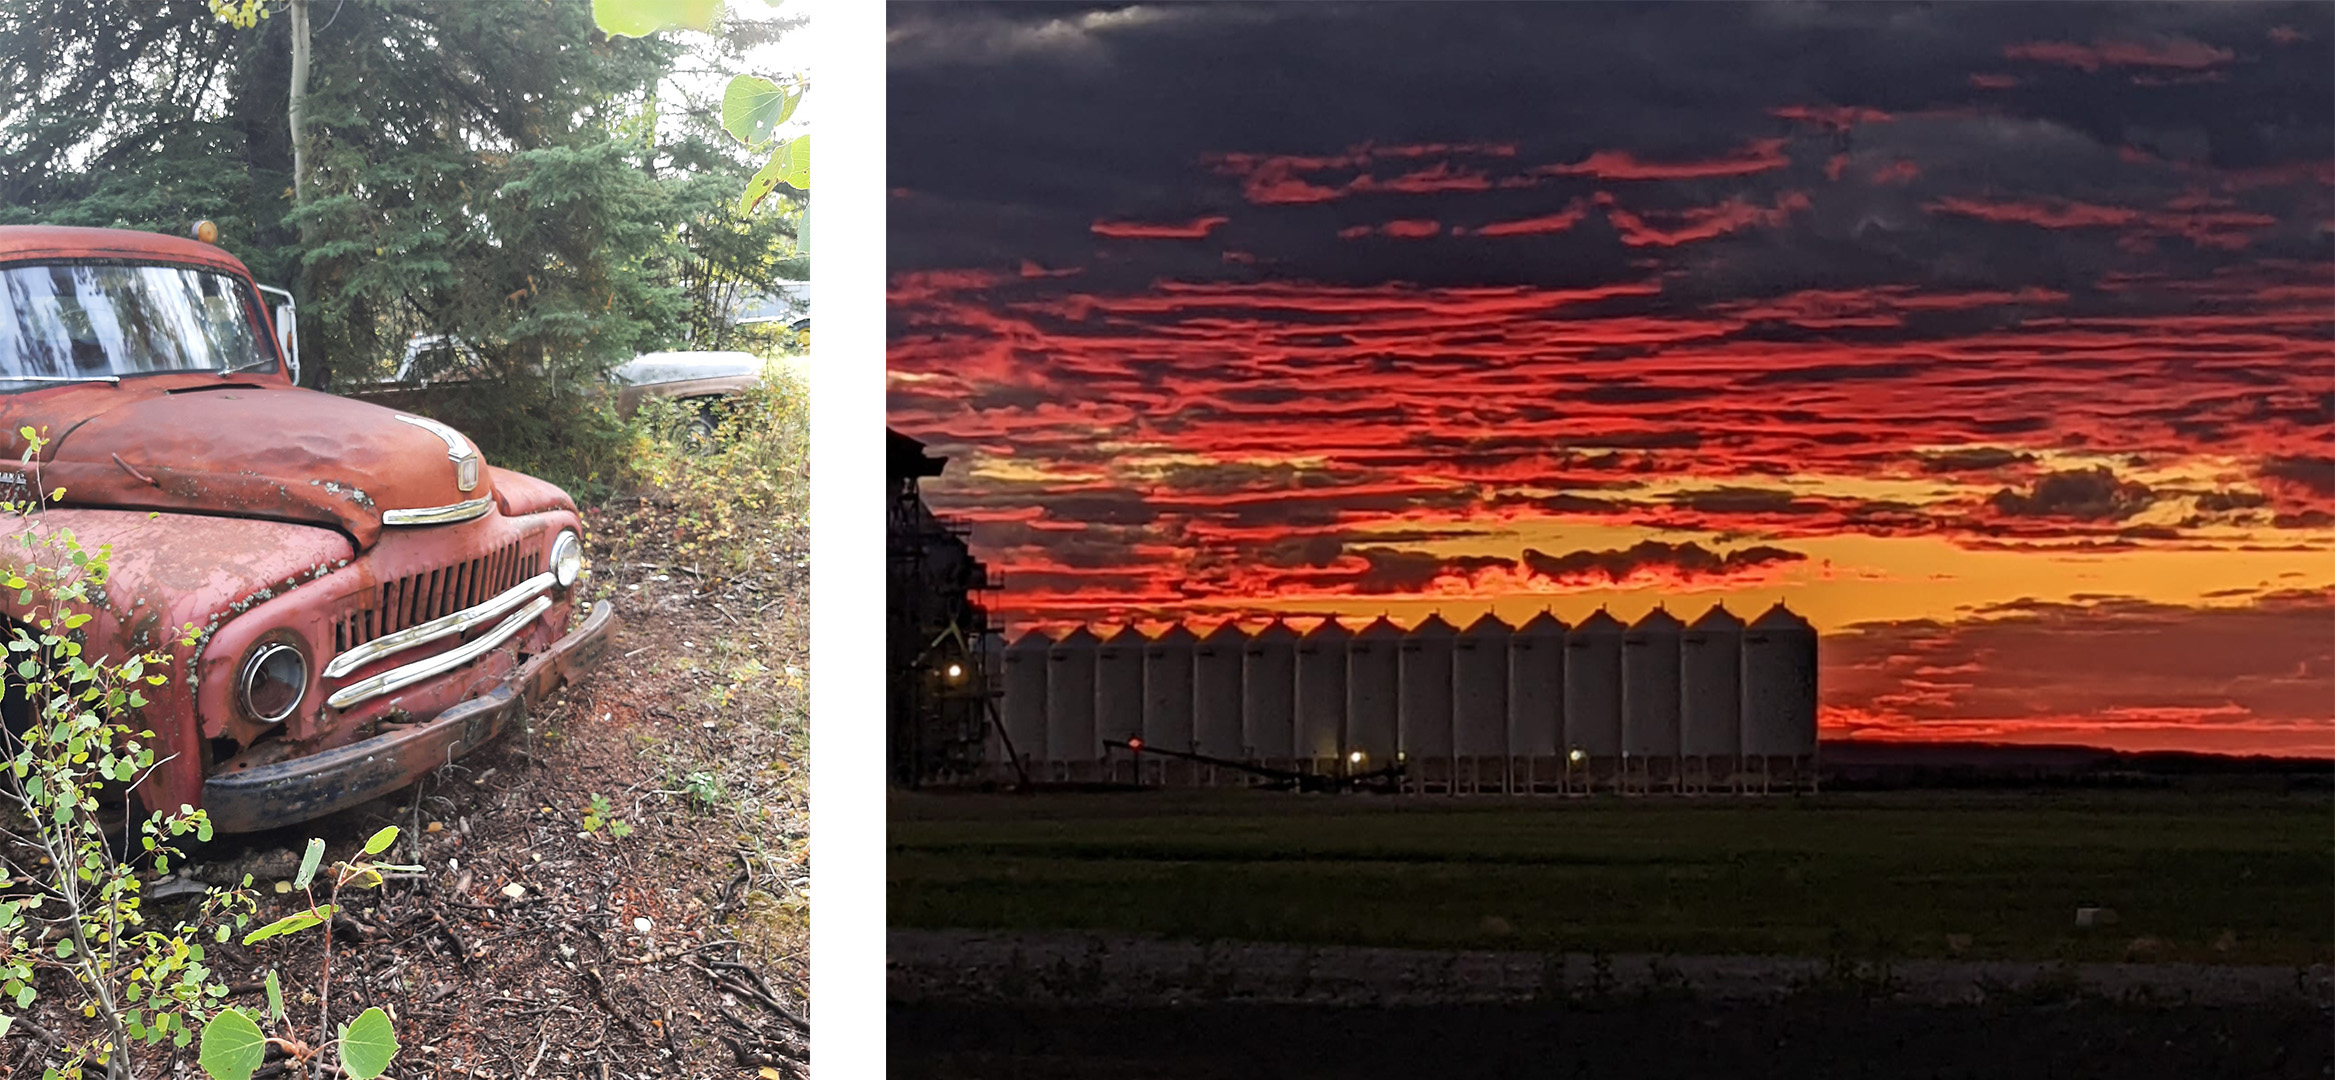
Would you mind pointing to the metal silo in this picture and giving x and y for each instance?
(1321, 697)
(1593, 700)
(1373, 693)
(1072, 751)
(1710, 696)
(1536, 703)
(1119, 694)
(1167, 702)
(1779, 695)
(1216, 695)
(1479, 706)
(1650, 698)
(1269, 695)
(1024, 707)
(1425, 717)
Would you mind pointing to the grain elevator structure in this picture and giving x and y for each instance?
(1655, 706)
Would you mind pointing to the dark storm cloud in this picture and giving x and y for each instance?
(1810, 144)
(2094, 494)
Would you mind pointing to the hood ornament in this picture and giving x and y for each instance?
(458, 450)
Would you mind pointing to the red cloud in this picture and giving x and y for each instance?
(1990, 81)
(1195, 229)
(1761, 156)
(1702, 222)
(2174, 52)
(1546, 223)
(1832, 117)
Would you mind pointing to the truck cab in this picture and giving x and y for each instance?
(371, 598)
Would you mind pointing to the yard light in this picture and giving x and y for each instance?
(1355, 757)
(1575, 756)
(956, 671)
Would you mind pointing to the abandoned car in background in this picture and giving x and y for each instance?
(372, 599)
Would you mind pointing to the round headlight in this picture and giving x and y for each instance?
(567, 558)
(275, 678)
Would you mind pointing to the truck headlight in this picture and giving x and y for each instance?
(275, 678)
(567, 558)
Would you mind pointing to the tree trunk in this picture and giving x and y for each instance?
(299, 91)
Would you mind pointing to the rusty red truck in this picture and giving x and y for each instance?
(371, 598)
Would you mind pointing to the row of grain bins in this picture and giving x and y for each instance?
(1542, 707)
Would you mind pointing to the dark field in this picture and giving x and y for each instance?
(1798, 1039)
(2215, 878)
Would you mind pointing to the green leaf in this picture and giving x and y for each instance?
(289, 924)
(309, 863)
(753, 108)
(640, 18)
(232, 1046)
(790, 164)
(381, 841)
(369, 1045)
(275, 998)
(64, 948)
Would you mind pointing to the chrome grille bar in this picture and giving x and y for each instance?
(399, 678)
(456, 623)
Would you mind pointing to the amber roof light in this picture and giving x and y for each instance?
(206, 232)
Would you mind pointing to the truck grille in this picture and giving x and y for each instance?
(418, 598)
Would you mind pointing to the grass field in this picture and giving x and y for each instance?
(2231, 878)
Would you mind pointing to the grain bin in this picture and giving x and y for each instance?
(1779, 694)
(1216, 695)
(1024, 707)
(1425, 717)
(1167, 704)
(1710, 697)
(1072, 751)
(1536, 703)
(1373, 696)
(1479, 706)
(1321, 697)
(1119, 694)
(1269, 695)
(1593, 699)
(1650, 732)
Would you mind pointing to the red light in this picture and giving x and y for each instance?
(1135, 745)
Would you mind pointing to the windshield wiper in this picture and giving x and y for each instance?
(114, 379)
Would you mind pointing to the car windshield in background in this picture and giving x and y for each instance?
(75, 322)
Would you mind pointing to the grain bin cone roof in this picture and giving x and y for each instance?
(1485, 624)
(1330, 630)
(1275, 631)
(1031, 641)
(1228, 630)
(1176, 635)
(1127, 635)
(1718, 618)
(1780, 617)
(1434, 626)
(1600, 621)
(1545, 622)
(1657, 621)
(1380, 627)
(1078, 636)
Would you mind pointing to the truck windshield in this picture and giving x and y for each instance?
(77, 322)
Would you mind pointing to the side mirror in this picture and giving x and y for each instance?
(288, 336)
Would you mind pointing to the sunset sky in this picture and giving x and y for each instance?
(1999, 340)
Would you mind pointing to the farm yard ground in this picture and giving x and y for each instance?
(1208, 934)
(1798, 1038)
(2229, 878)
(536, 946)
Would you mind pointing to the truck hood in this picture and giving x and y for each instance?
(243, 450)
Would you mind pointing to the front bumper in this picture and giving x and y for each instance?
(287, 792)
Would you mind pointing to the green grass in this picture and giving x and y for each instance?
(1862, 875)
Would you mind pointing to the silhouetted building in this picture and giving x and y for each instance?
(937, 632)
